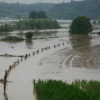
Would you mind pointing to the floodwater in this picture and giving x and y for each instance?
(57, 62)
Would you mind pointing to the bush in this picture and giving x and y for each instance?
(39, 14)
(80, 25)
(29, 35)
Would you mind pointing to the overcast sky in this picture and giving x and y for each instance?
(34, 1)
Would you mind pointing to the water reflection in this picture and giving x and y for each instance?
(44, 34)
(80, 43)
(21, 34)
(29, 44)
(85, 55)
(3, 35)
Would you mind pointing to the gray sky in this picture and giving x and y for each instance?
(34, 1)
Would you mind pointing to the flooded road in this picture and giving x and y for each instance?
(62, 61)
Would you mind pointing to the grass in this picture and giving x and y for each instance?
(58, 90)
(12, 39)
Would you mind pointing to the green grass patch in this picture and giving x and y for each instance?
(58, 90)
(12, 39)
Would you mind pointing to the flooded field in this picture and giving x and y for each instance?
(65, 58)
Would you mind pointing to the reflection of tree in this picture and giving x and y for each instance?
(80, 42)
(51, 33)
(29, 44)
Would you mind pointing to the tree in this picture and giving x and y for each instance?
(39, 14)
(42, 14)
(29, 35)
(33, 14)
(80, 25)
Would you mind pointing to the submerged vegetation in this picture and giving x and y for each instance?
(12, 39)
(30, 24)
(29, 35)
(58, 90)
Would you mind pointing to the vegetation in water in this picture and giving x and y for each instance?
(80, 25)
(58, 90)
(30, 24)
(29, 35)
(12, 39)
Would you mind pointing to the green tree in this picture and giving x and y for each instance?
(42, 14)
(39, 14)
(33, 14)
(29, 35)
(80, 25)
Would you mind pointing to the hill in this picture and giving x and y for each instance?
(17, 10)
(73, 9)
(90, 8)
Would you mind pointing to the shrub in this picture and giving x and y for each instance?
(29, 35)
(80, 25)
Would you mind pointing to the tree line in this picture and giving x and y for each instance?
(30, 24)
(73, 9)
(37, 14)
(69, 10)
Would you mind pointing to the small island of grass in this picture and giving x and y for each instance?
(12, 39)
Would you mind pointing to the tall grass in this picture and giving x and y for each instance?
(58, 90)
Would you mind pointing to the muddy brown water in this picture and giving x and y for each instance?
(56, 63)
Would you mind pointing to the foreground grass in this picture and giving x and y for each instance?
(58, 90)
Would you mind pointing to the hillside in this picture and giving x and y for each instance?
(17, 10)
(90, 8)
(70, 10)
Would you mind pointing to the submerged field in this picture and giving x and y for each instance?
(58, 90)
(56, 59)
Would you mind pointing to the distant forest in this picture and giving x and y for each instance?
(90, 8)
